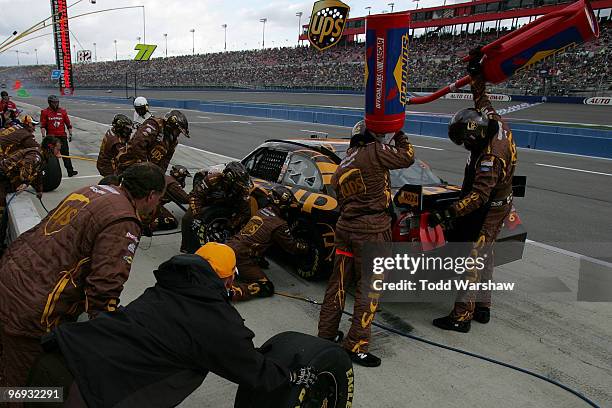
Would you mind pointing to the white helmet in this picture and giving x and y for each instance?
(140, 101)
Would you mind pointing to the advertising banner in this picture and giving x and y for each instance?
(61, 39)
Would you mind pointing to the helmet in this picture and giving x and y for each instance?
(141, 105)
(238, 177)
(180, 173)
(360, 135)
(4, 94)
(468, 127)
(176, 120)
(53, 101)
(27, 121)
(282, 197)
(123, 125)
(140, 101)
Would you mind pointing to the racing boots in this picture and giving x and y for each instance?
(364, 359)
(482, 314)
(449, 323)
(72, 173)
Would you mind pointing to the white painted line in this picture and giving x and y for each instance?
(427, 147)
(317, 132)
(92, 154)
(569, 253)
(82, 177)
(573, 169)
(209, 152)
(203, 117)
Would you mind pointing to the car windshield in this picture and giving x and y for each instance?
(419, 173)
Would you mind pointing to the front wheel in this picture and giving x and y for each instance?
(317, 263)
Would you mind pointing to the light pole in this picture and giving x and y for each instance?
(263, 40)
(369, 8)
(166, 39)
(299, 15)
(115, 50)
(192, 31)
(36, 52)
(224, 37)
(17, 52)
(417, 2)
(95, 53)
(144, 25)
(391, 5)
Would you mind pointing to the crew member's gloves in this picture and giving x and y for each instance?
(302, 245)
(21, 188)
(303, 377)
(474, 68)
(195, 224)
(439, 217)
(39, 195)
(70, 136)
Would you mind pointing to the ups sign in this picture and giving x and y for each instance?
(327, 22)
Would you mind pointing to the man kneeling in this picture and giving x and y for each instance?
(157, 350)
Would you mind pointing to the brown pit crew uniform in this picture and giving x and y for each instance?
(148, 145)
(21, 167)
(210, 189)
(265, 228)
(486, 201)
(174, 193)
(362, 184)
(75, 260)
(110, 147)
(14, 138)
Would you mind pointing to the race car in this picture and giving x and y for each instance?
(306, 166)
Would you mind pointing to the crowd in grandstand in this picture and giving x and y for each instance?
(434, 62)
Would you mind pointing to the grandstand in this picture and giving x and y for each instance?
(434, 62)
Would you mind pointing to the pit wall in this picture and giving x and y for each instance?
(563, 139)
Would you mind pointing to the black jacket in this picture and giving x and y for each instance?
(157, 350)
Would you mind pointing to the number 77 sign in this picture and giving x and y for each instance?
(144, 52)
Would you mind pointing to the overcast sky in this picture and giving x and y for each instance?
(174, 17)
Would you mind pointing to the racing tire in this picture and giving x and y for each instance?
(311, 266)
(51, 174)
(335, 384)
(214, 225)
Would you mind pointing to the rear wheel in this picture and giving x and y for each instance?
(334, 387)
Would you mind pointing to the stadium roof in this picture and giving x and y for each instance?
(478, 11)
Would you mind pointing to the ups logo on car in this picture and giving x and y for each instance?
(327, 22)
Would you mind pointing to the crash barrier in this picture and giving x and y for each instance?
(564, 139)
(22, 214)
(335, 381)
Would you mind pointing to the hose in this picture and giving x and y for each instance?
(456, 350)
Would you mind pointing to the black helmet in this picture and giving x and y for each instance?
(360, 135)
(283, 198)
(180, 173)
(468, 127)
(3, 94)
(176, 120)
(238, 176)
(53, 101)
(123, 125)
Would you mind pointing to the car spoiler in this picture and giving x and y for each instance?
(411, 195)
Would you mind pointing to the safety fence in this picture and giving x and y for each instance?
(564, 139)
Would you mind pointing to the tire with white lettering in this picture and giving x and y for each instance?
(335, 384)
(51, 174)
(312, 265)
